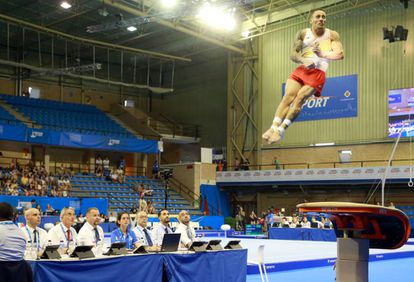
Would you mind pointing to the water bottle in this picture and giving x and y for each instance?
(99, 248)
(27, 252)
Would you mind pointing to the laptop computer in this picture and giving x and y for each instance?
(51, 252)
(170, 242)
(117, 249)
(83, 252)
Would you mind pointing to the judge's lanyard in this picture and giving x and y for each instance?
(30, 238)
(66, 236)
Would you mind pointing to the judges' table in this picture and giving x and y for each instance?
(229, 265)
(307, 234)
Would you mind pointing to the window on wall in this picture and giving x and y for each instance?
(401, 112)
(34, 92)
(129, 103)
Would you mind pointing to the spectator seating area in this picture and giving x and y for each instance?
(123, 197)
(62, 116)
(8, 118)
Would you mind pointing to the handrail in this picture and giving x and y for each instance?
(182, 188)
(310, 165)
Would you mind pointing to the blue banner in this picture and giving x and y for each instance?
(76, 140)
(13, 133)
(339, 99)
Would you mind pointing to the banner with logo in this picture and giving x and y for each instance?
(339, 99)
(77, 140)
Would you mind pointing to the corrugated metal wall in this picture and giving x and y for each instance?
(379, 65)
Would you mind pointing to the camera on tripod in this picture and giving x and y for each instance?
(166, 173)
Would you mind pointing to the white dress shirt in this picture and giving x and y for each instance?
(306, 224)
(158, 234)
(187, 234)
(139, 232)
(12, 242)
(30, 236)
(59, 233)
(87, 235)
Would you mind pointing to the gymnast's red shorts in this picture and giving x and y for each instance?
(311, 77)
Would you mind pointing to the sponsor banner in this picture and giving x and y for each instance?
(339, 99)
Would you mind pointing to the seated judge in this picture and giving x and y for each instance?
(64, 234)
(12, 240)
(284, 223)
(305, 222)
(141, 231)
(36, 237)
(162, 228)
(91, 234)
(124, 233)
(187, 232)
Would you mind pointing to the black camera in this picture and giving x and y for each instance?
(166, 173)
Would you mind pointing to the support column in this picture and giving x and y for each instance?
(352, 261)
(47, 160)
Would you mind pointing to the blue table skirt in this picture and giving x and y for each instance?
(226, 266)
(307, 234)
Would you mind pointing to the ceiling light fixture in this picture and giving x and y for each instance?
(65, 5)
(131, 28)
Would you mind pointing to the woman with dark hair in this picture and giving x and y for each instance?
(124, 233)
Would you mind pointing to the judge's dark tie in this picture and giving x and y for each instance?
(97, 238)
(148, 237)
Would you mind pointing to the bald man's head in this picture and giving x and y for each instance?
(184, 217)
(33, 217)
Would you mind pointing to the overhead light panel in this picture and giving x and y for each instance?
(217, 17)
(245, 33)
(65, 5)
(131, 28)
(325, 144)
(168, 3)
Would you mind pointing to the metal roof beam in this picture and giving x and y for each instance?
(93, 42)
(175, 26)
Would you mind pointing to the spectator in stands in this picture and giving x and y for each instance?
(114, 176)
(316, 223)
(123, 233)
(270, 219)
(36, 237)
(141, 231)
(253, 217)
(155, 169)
(163, 228)
(122, 164)
(276, 163)
(295, 222)
(91, 233)
(246, 165)
(240, 216)
(187, 232)
(224, 165)
(98, 166)
(121, 176)
(392, 205)
(80, 219)
(142, 193)
(12, 240)
(64, 234)
(236, 163)
(284, 223)
(219, 165)
(106, 166)
(49, 210)
(327, 223)
(305, 223)
(150, 208)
